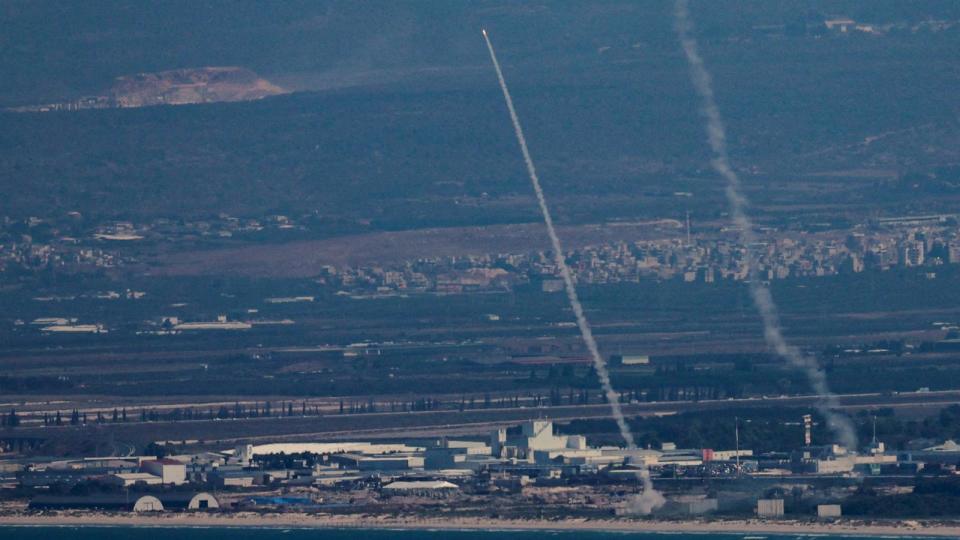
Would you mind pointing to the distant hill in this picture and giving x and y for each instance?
(173, 87)
(603, 91)
(282, 41)
(183, 86)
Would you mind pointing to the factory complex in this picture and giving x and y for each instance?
(528, 466)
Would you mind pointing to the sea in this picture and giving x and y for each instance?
(253, 533)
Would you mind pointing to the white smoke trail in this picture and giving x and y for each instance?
(762, 299)
(650, 499)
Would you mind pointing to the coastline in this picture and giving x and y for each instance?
(308, 521)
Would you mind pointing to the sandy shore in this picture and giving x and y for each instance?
(296, 520)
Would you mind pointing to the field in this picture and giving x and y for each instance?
(305, 259)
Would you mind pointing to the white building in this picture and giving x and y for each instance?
(422, 488)
(458, 455)
(631, 359)
(828, 511)
(220, 324)
(148, 503)
(840, 24)
(534, 435)
(770, 508)
(170, 471)
(948, 446)
(694, 505)
(75, 329)
(730, 455)
(385, 462)
(834, 465)
(133, 479)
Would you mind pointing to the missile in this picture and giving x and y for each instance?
(484, 30)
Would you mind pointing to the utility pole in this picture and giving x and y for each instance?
(688, 228)
(736, 437)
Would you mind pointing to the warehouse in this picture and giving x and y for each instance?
(170, 471)
(388, 462)
(421, 488)
(132, 479)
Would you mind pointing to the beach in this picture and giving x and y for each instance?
(302, 520)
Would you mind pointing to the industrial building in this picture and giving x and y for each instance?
(535, 435)
(169, 471)
(828, 511)
(687, 505)
(458, 455)
(126, 480)
(527, 460)
(770, 508)
(424, 488)
(389, 462)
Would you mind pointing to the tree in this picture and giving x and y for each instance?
(154, 449)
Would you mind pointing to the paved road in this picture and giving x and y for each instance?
(431, 423)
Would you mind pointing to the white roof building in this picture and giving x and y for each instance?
(948, 446)
(416, 487)
(534, 435)
(133, 479)
(170, 471)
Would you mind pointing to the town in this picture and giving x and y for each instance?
(35, 245)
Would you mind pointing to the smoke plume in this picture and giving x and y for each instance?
(650, 499)
(762, 299)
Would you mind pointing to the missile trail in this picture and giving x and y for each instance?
(650, 499)
(762, 299)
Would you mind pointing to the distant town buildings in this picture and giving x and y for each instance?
(929, 241)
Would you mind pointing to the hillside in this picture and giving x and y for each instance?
(602, 89)
(615, 135)
(183, 86)
(173, 87)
